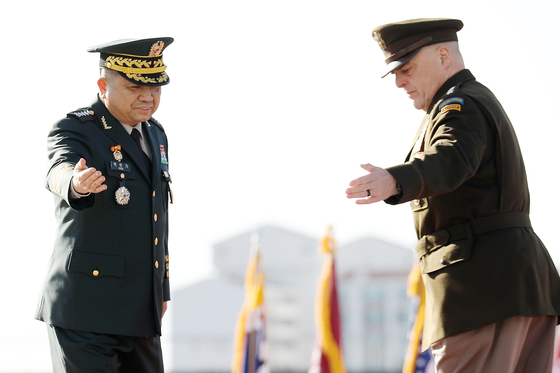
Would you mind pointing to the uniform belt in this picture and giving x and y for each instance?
(471, 228)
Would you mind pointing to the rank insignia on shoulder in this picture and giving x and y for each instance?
(453, 103)
(83, 114)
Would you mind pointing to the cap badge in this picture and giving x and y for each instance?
(156, 48)
(116, 149)
(377, 37)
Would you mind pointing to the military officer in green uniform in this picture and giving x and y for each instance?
(492, 290)
(107, 282)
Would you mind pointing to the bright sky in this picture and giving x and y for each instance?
(271, 109)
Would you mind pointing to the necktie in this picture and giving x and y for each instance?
(147, 162)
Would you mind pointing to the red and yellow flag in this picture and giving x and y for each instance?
(327, 353)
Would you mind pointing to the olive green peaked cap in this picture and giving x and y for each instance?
(139, 61)
(401, 41)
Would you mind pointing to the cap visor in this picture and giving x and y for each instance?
(400, 62)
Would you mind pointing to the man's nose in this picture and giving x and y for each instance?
(146, 94)
(399, 81)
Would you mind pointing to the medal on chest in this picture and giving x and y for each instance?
(117, 152)
(122, 195)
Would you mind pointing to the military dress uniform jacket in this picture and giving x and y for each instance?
(481, 261)
(109, 269)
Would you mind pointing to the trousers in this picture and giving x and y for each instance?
(515, 345)
(74, 351)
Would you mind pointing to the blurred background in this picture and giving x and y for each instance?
(271, 109)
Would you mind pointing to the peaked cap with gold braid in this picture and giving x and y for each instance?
(139, 61)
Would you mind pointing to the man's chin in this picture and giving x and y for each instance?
(143, 118)
(419, 105)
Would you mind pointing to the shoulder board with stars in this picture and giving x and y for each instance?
(84, 114)
(156, 123)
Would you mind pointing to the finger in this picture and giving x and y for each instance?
(366, 178)
(96, 180)
(360, 194)
(100, 189)
(86, 176)
(361, 180)
(81, 165)
(357, 191)
(367, 201)
(367, 167)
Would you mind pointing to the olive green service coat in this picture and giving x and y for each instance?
(109, 269)
(481, 261)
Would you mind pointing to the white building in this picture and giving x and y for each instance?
(372, 277)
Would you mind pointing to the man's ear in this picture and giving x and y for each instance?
(102, 84)
(444, 55)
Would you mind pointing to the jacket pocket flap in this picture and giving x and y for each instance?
(431, 242)
(446, 256)
(96, 265)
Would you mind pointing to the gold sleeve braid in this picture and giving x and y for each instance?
(58, 172)
(167, 265)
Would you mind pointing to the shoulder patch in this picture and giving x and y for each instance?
(84, 115)
(452, 103)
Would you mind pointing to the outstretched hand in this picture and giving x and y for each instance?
(87, 179)
(380, 183)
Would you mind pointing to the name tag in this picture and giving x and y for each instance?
(119, 166)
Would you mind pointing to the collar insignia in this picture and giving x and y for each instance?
(105, 125)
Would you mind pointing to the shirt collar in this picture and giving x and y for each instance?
(129, 129)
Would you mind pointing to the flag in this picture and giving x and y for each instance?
(250, 342)
(556, 357)
(417, 361)
(327, 353)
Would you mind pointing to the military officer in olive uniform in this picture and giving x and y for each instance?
(107, 283)
(492, 290)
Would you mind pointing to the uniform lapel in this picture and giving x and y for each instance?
(152, 141)
(112, 128)
(419, 136)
